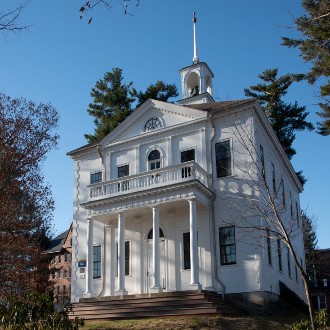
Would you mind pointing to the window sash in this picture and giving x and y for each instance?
(187, 155)
(96, 177)
(186, 251)
(97, 261)
(227, 245)
(123, 171)
(223, 158)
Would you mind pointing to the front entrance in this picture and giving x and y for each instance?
(162, 256)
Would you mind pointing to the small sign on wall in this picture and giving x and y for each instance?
(82, 263)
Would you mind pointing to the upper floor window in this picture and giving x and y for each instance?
(262, 160)
(297, 213)
(96, 177)
(274, 179)
(59, 258)
(123, 171)
(154, 159)
(65, 257)
(223, 158)
(279, 253)
(151, 124)
(283, 193)
(187, 155)
(227, 245)
(269, 247)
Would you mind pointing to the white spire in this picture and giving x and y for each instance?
(195, 59)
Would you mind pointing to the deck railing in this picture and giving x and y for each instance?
(147, 180)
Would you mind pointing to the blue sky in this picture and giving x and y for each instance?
(61, 57)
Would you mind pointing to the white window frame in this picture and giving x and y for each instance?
(231, 158)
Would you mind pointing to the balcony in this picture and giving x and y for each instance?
(162, 177)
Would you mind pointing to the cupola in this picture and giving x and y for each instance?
(196, 79)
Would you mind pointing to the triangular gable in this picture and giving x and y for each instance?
(169, 115)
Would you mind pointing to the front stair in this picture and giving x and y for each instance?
(155, 305)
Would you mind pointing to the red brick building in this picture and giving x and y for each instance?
(60, 251)
(320, 285)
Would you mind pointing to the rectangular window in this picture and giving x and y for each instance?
(97, 261)
(187, 155)
(274, 179)
(122, 172)
(186, 250)
(65, 273)
(262, 160)
(96, 177)
(59, 258)
(269, 247)
(297, 213)
(58, 274)
(283, 192)
(64, 289)
(65, 257)
(289, 262)
(223, 158)
(322, 304)
(127, 258)
(291, 206)
(279, 253)
(227, 245)
(296, 272)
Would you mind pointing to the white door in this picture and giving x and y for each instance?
(149, 268)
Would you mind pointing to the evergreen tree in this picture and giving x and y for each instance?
(285, 118)
(159, 91)
(112, 104)
(314, 46)
(113, 101)
(310, 244)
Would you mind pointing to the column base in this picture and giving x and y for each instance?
(155, 289)
(196, 286)
(120, 293)
(87, 295)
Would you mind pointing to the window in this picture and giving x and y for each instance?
(127, 258)
(283, 192)
(291, 205)
(123, 171)
(58, 290)
(269, 247)
(65, 257)
(289, 262)
(70, 241)
(321, 301)
(297, 213)
(279, 253)
(186, 156)
(151, 234)
(274, 179)
(65, 273)
(325, 282)
(186, 250)
(154, 160)
(296, 272)
(58, 274)
(227, 245)
(97, 261)
(64, 289)
(223, 158)
(262, 160)
(151, 124)
(96, 177)
(59, 258)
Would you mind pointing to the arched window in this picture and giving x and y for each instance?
(154, 159)
(161, 233)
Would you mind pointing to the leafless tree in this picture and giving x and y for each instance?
(10, 20)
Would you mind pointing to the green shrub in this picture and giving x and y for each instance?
(321, 319)
(301, 325)
(33, 311)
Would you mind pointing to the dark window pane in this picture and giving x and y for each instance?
(187, 155)
(223, 158)
(123, 171)
(153, 155)
(96, 177)
(151, 235)
(127, 256)
(97, 261)
(186, 250)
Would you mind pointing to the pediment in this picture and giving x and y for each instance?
(151, 116)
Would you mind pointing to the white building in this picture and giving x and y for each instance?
(165, 202)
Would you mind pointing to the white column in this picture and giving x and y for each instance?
(121, 255)
(194, 279)
(89, 275)
(155, 250)
(107, 261)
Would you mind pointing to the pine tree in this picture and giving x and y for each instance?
(314, 46)
(112, 104)
(113, 101)
(159, 91)
(285, 118)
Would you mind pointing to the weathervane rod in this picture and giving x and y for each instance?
(195, 59)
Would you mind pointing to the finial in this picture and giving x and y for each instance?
(195, 58)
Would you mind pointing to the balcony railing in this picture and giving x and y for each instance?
(147, 180)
